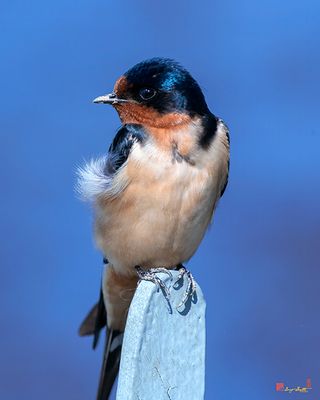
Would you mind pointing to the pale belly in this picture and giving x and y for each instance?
(160, 218)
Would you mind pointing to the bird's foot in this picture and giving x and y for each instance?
(191, 287)
(151, 276)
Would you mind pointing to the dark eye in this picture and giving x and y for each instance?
(147, 93)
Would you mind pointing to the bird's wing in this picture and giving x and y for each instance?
(122, 144)
(228, 142)
(102, 177)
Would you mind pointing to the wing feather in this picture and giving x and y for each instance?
(97, 177)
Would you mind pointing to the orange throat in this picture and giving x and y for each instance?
(133, 113)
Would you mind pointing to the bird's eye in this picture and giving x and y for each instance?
(147, 93)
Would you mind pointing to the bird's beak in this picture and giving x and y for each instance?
(110, 98)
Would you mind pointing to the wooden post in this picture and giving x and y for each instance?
(163, 353)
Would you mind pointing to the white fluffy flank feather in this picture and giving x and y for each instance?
(95, 179)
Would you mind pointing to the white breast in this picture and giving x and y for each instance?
(161, 215)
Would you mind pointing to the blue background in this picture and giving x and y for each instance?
(258, 63)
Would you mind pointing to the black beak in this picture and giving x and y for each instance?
(110, 98)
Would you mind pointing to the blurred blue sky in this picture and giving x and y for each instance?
(258, 63)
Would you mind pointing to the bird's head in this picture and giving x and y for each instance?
(158, 92)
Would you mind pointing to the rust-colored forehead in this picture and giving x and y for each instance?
(121, 86)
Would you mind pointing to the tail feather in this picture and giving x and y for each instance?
(110, 363)
(92, 325)
(94, 321)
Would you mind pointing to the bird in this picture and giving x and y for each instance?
(153, 193)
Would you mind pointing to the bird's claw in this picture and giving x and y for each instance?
(151, 276)
(191, 288)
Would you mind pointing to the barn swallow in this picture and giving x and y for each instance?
(155, 191)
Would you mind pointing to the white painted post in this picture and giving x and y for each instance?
(163, 352)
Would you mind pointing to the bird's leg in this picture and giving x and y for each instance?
(191, 288)
(151, 276)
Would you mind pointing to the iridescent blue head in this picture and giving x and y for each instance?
(166, 86)
(159, 84)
